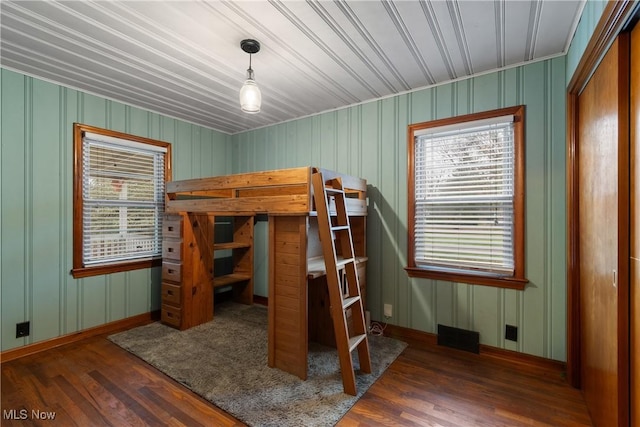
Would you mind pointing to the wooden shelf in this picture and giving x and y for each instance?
(230, 279)
(230, 245)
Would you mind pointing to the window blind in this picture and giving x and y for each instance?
(464, 189)
(123, 197)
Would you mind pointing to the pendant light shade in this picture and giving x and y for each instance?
(250, 96)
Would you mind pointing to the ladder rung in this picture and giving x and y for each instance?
(349, 301)
(339, 227)
(333, 190)
(355, 340)
(342, 262)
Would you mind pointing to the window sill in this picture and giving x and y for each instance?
(99, 270)
(498, 282)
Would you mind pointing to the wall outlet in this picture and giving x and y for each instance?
(22, 329)
(388, 310)
(511, 333)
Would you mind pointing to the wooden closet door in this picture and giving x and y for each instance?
(602, 116)
(635, 226)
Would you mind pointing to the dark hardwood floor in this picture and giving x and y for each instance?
(96, 383)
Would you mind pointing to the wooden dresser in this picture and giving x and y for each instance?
(189, 252)
(172, 257)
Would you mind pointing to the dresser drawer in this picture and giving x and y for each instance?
(171, 271)
(172, 227)
(170, 315)
(171, 294)
(172, 249)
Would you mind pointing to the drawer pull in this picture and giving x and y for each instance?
(170, 228)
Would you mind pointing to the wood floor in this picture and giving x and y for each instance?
(95, 383)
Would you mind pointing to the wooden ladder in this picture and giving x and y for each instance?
(342, 296)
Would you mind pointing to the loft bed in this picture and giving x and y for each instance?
(275, 192)
(298, 298)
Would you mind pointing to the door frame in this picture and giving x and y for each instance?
(614, 17)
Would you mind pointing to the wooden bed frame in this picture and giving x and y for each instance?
(275, 192)
(298, 299)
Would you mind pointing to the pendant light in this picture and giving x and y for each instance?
(250, 97)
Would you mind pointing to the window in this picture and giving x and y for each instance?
(466, 199)
(118, 200)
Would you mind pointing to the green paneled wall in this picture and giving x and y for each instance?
(588, 20)
(367, 140)
(370, 140)
(36, 206)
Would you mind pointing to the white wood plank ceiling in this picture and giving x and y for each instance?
(183, 58)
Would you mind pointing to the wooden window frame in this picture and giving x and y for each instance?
(517, 280)
(79, 270)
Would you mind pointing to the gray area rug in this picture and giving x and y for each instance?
(225, 361)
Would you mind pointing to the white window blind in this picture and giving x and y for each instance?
(123, 199)
(464, 190)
